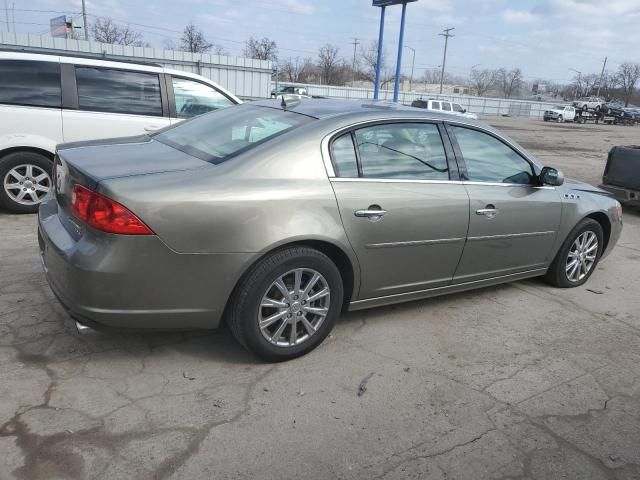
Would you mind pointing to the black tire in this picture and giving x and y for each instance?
(16, 159)
(244, 309)
(560, 119)
(597, 109)
(557, 274)
(585, 107)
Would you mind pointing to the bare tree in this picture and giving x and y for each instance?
(264, 49)
(482, 80)
(328, 63)
(296, 70)
(193, 40)
(509, 81)
(628, 75)
(369, 60)
(105, 30)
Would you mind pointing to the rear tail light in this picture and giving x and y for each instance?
(104, 214)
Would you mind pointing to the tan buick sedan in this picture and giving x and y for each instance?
(276, 216)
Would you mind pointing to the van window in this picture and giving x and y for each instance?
(30, 83)
(118, 91)
(435, 105)
(194, 98)
(446, 106)
(457, 108)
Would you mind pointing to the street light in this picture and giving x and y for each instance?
(579, 84)
(413, 64)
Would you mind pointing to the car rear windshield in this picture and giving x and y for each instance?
(222, 134)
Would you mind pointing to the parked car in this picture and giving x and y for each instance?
(49, 99)
(589, 103)
(613, 108)
(621, 175)
(445, 107)
(278, 218)
(288, 89)
(560, 113)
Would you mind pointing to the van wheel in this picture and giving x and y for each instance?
(287, 304)
(578, 257)
(25, 180)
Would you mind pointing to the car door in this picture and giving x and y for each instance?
(113, 103)
(191, 97)
(513, 221)
(404, 210)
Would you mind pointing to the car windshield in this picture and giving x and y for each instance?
(558, 107)
(222, 134)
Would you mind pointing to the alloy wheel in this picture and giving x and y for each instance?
(293, 307)
(582, 256)
(27, 184)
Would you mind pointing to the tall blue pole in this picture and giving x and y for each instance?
(376, 86)
(396, 85)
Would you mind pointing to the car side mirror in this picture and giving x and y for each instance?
(551, 176)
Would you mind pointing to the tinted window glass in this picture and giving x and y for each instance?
(489, 160)
(344, 157)
(30, 83)
(194, 98)
(221, 134)
(411, 151)
(118, 91)
(457, 107)
(446, 106)
(435, 105)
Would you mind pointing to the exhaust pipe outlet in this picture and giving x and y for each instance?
(83, 329)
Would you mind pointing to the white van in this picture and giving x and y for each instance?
(50, 99)
(444, 106)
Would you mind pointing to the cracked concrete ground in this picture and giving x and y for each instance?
(521, 381)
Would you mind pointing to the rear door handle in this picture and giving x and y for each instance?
(489, 211)
(373, 212)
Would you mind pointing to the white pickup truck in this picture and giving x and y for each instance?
(560, 113)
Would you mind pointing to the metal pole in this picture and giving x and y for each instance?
(355, 49)
(6, 14)
(396, 85)
(446, 36)
(601, 76)
(84, 20)
(413, 64)
(376, 85)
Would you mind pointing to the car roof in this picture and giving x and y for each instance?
(331, 108)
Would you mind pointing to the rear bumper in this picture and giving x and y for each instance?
(623, 195)
(128, 281)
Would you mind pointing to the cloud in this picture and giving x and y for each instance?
(519, 16)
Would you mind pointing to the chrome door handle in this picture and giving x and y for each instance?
(370, 213)
(489, 211)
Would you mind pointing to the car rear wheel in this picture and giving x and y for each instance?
(579, 255)
(560, 119)
(25, 180)
(287, 304)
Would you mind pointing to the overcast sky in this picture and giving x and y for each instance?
(545, 38)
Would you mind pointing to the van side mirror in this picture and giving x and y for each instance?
(551, 176)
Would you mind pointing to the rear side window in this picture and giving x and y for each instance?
(195, 98)
(344, 157)
(410, 151)
(224, 133)
(446, 106)
(30, 83)
(435, 105)
(118, 91)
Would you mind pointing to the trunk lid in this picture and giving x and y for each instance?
(89, 163)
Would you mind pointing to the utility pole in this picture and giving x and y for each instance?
(446, 36)
(355, 44)
(413, 64)
(604, 64)
(84, 20)
(6, 15)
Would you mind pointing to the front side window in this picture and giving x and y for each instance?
(30, 83)
(118, 91)
(224, 133)
(411, 151)
(435, 105)
(457, 108)
(446, 106)
(195, 98)
(489, 160)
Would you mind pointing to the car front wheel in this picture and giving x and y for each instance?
(579, 255)
(287, 303)
(26, 179)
